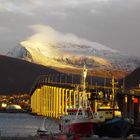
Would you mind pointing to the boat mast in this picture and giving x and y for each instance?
(113, 94)
(113, 89)
(84, 77)
(84, 84)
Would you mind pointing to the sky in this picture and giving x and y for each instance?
(113, 23)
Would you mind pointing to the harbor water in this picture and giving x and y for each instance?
(23, 125)
(17, 126)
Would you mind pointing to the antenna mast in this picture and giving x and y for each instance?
(84, 75)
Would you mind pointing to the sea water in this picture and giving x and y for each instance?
(26, 125)
(23, 125)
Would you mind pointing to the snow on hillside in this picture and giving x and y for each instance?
(52, 48)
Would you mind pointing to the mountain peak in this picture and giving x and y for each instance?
(66, 56)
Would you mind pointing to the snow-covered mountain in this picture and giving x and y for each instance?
(99, 59)
(67, 52)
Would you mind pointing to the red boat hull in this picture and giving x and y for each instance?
(80, 128)
(84, 128)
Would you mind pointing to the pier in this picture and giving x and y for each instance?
(53, 101)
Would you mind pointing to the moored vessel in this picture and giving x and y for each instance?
(115, 125)
(80, 120)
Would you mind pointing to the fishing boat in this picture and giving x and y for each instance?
(80, 120)
(114, 125)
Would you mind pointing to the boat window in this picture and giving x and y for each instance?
(72, 113)
(106, 112)
(79, 113)
(66, 121)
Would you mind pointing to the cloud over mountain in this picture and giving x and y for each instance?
(50, 47)
(113, 23)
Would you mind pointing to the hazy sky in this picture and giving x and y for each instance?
(114, 23)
